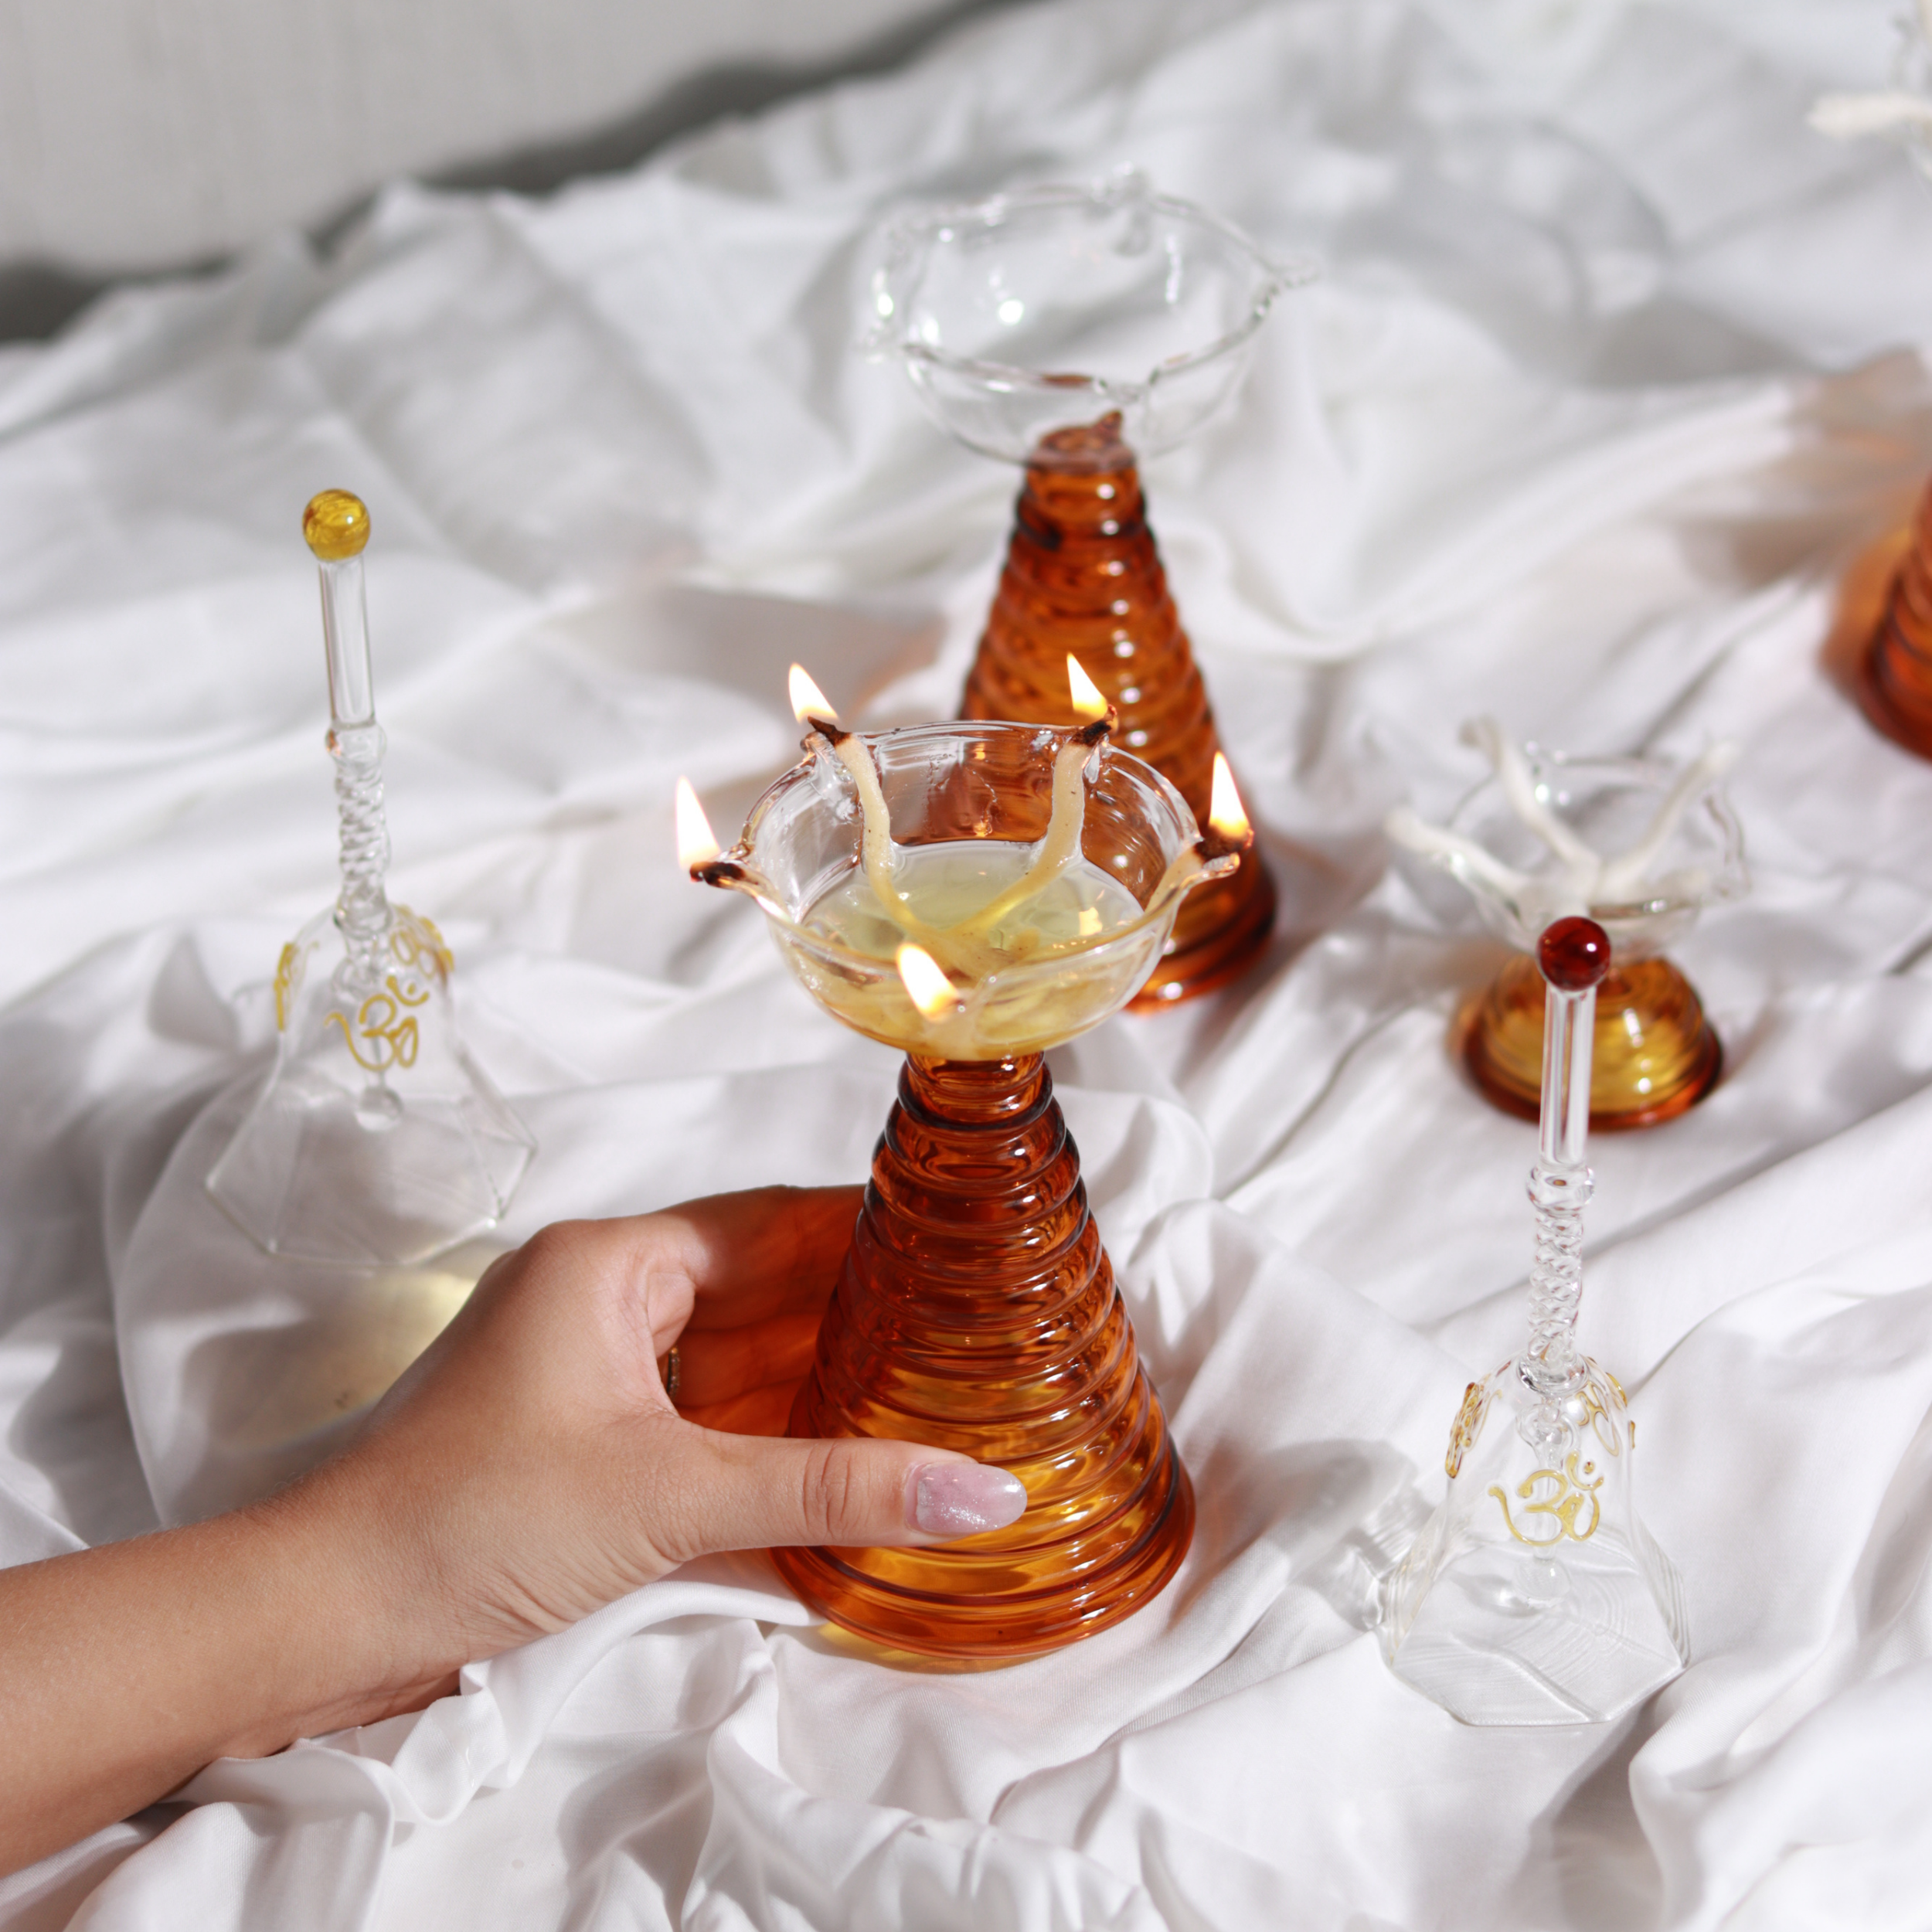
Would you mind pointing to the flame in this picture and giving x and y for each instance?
(807, 701)
(1225, 814)
(931, 991)
(1088, 704)
(696, 843)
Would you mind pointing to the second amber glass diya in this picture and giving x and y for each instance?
(973, 894)
(1639, 846)
(1895, 666)
(1077, 331)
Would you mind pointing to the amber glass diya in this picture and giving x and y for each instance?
(1895, 680)
(1082, 578)
(1656, 1055)
(1074, 331)
(1534, 843)
(977, 1309)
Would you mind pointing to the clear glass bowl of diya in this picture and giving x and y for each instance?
(1529, 859)
(1077, 331)
(972, 894)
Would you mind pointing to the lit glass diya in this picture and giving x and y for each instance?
(1077, 331)
(1642, 847)
(973, 894)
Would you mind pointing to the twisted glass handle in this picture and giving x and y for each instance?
(336, 526)
(1573, 955)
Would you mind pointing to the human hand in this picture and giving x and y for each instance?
(527, 1469)
(530, 1468)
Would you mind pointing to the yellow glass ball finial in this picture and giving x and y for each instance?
(336, 525)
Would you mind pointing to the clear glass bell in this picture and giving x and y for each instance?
(1534, 1595)
(378, 1140)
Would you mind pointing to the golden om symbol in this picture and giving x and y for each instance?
(383, 1027)
(417, 948)
(1467, 1426)
(381, 1022)
(288, 969)
(1564, 1496)
(415, 941)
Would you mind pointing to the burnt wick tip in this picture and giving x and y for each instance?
(718, 872)
(1214, 844)
(1093, 734)
(834, 735)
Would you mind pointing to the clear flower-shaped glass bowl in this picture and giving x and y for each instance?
(1609, 803)
(945, 782)
(1053, 306)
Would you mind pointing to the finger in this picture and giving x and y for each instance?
(714, 1364)
(768, 1251)
(747, 1492)
(755, 1412)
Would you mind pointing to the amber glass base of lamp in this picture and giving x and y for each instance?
(1656, 1054)
(1083, 578)
(1895, 680)
(976, 1311)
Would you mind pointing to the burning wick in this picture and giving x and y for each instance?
(926, 983)
(1088, 703)
(1218, 849)
(697, 845)
(1226, 814)
(809, 707)
(1072, 764)
(807, 701)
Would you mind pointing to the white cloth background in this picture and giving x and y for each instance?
(1610, 379)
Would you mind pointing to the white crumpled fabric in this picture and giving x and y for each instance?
(1610, 380)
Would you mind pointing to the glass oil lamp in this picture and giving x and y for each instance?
(1529, 845)
(1534, 1595)
(377, 1140)
(1894, 638)
(972, 894)
(1077, 331)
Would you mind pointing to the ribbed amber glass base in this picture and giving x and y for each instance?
(1083, 578)
(976, 1311)
(1655, 1054)
(1895, 681)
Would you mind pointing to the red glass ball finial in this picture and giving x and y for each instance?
(1574, 954)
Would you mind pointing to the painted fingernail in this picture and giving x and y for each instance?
(961, 1499)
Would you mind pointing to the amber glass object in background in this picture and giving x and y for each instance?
(1084, 578)
(1643, 846)
(1077, 331)
(1894, 683)
(977, 1310)
(1656, 1054)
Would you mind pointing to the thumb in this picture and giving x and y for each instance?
(759, 1492)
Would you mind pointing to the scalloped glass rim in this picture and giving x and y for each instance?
(909, 241)
(1099, 949)
(1627, 919)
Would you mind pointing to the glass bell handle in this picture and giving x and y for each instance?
(1573, 955)
(336, 527)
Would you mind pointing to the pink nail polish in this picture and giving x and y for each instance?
(961, 1499)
